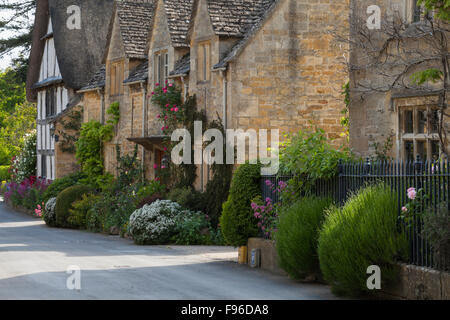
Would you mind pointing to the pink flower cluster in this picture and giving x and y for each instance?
(412, 193)
(39, 210)
(20, 191)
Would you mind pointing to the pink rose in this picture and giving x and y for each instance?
(404, 209)
(412, 193)
(155, 166)
(176, 109)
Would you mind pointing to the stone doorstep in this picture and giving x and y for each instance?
(420, 283)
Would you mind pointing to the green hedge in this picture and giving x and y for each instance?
(4, 173)
(361, 234)
(64, 203)
(297, 236)
(61, 184)
(237, 221)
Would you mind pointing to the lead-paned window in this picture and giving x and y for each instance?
(419, 133)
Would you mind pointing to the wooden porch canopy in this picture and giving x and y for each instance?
(150, 141)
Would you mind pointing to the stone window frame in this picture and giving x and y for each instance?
(161, 66)
(420, 140)
(204, 61)
(414, 11)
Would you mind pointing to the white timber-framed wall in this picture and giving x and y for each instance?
(52, 99)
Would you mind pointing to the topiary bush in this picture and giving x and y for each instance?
(80, 208)
(155, 223)
(361, 234)
(61, 184)
(297, 236)
(49, 215)
(64, 203)
(237, 221)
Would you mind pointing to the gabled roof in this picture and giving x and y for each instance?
(97, 81)
(234, 18)
(182, 66)
(179, 15)
(80, 51)
(139, 74)
(37, 47)
(236, 50)
(135, 22)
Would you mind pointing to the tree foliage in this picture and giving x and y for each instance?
(17, 117)
(16, 26)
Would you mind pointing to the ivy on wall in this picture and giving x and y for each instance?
(93, 135)
(174, 115)
(67, 141)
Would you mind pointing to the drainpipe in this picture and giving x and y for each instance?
(225, 97)
(102, 103)
(144, 123)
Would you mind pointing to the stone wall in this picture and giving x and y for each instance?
(291, 74)
(374, 116)
(418, 283)
(65, 162)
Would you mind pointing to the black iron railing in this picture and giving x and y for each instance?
(432, 177)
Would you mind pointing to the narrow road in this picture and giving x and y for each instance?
(34, 260)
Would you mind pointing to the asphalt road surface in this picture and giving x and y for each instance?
(34, 260)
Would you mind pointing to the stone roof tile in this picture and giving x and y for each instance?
(182, 66)
(97, 81)
(138, 74)
(135, 20)
(236, 17)
(179, 15)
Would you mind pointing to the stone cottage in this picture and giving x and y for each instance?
(68, 42)
(255, 64)
(123, 78)
(269, 64)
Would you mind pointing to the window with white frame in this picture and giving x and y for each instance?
(161, 67)
(419, 132)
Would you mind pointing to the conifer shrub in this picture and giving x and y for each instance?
(237, 222)
(361, 234)
(64, 203)
(297, 236)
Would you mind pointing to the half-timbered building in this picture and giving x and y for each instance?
(62, 58)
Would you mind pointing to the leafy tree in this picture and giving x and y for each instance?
(16, 28)
(17, 117)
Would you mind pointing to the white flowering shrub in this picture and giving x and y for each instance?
(49, 214)
(155, 223)
(24, 165)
